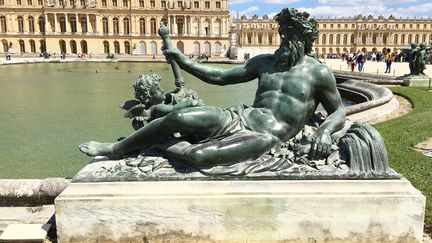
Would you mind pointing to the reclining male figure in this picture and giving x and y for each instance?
(291, 84)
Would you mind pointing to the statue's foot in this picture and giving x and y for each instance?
(98, 149)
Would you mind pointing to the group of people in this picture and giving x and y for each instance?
(356, 59)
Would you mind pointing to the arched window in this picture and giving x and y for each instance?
(345, 39)
(41, 23)
(423, 38)
(31, 24)
(409, 38)
(22, 46)
(84, 47)
(364, 38)
(324, 51)
(32, 46)
(42, 46)
(337, 39)
(417, 38)
(385, 37)
(5, 45)
(73, 23)
(180, 26)
(374, 39)
(84, 25)
(403, 39)
(105, 25)
(142, 26)
(116, 26)
(62, 44)
(207, 48)
(126, 26)
(324, 39)
(20, 24)
(207, 27)
(106, 47)
(143, 48)
(218, 27)
(195, 27)
(180, 46)
(396, 39)
(154, 49)
(62, 24)
(3, 28)
(196, 48)
(73, 47)
(116, 47)
(331, 39)
(153, 26)
(127, 47)
(218, 48)
(352, 40)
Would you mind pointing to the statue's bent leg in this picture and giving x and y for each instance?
(235, 148)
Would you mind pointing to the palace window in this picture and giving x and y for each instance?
(114, 3)
(84, 24)
(163, 4)
(115, 26)
(116, 47)
(180, 4)
(218, 5)
(125, 3)
(40, 2)
(126, 26)
(153, 26)
(106, 47)
(105, 25)
(62, 24)
(104, 3)
(20, 24)
(31, 24)
(196, 4)
(32, 46)
(3, 27)
(207, 4)
(61, 3)
(324, 26)
(1, 2)
(82, 3)
(18, 2)
(141, 3)
(29, 2)
(41, 24)
(73, 24)
(152, 4)
(142, 26)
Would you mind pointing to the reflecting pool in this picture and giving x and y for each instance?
(48, 109)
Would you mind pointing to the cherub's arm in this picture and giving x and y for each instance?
(161, 110)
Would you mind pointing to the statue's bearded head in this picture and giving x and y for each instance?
(298, 32)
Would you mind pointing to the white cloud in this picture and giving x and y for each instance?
(233, 2)
(363, 2)
(271, 15)
(279, 1)
(248, 12)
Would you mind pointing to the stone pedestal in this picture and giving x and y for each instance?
(241, 211)
(423, 81)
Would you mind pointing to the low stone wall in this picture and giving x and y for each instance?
(30, 192)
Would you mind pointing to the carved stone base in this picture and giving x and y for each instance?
(241, 211)
(416, 81)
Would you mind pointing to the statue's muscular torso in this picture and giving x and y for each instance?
(284, 101)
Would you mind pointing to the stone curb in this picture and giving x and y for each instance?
(29, 192)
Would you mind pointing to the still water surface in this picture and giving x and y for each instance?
(47, 110)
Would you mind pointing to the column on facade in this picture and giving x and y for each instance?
(66, 23)
(147, 25)
(88, 22)
(190, 25)
(56, 25)
(174, 30)
(46, 23)
(98, 24)
(78, 24)
(168, 23)
(266, 38)
(201, 30)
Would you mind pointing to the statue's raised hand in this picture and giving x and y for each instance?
(320, 145)
(172, 54)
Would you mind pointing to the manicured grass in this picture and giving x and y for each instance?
(402, 134)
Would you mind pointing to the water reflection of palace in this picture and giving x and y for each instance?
(337, 35)
(112, 26)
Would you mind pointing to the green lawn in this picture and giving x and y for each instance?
(402, 134)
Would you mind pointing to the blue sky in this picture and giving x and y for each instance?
(335, 8)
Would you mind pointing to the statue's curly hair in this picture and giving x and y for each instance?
(143, 85)
(292, 21)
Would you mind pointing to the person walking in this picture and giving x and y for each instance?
(361, 58)
(388, 60)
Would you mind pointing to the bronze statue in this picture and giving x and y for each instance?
(418, 59)
(291, 84)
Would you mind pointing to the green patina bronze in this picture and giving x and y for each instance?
(292, 83)
(418, 56)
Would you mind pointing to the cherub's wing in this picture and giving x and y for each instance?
(129, 104)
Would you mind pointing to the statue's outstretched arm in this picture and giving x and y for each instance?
(215, 75)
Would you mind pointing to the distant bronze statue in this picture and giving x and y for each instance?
(418, 56)
(291, 84)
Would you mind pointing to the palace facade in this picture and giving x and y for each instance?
(339, 35)
(113, 26)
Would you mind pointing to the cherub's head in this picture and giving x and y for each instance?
(148, 90)
(423, 46)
